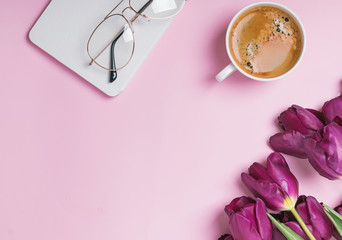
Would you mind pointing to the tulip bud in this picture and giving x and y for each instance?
(298, 124)
(248, 220)
(275, 184)
(332, 110)
(237, 204)
(300, 120)
(324, 151)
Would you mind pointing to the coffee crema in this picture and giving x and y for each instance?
(265, 41)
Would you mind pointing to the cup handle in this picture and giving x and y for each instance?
(225, 72)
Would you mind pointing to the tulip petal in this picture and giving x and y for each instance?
(308, 119)
(280, 173)
(267, 191)
(318, 219)
(288, 120)
(324, 151)
(263, 223)
(249, 212)
(316, 157)
(318, 114)
(332, 135)
(302, 210)
(241, 228)
(258, 171)
(285, 117)
(277, 235)
(290, 142)
(297, 229)
(237, 204)
(332, 110)
(299, 119)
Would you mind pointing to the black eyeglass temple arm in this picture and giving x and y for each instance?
(114, 74)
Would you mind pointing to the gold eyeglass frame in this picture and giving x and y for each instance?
(129, 23)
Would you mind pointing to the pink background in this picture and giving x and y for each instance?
(161, 160)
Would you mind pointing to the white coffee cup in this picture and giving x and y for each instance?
(234, 66)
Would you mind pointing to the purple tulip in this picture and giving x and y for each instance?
(301, 120)
(312, 213)
(332, 110)
(237, 204)
(324, 151)
(248, 219)
(275, 184)
(298, 123)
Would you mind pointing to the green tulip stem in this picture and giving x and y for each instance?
(302, 224)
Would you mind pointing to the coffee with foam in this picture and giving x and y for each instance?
(265, 41)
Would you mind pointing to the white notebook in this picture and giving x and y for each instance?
(65, 26)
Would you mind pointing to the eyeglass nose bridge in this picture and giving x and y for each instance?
(136, 15)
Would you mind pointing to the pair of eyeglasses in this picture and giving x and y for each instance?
(111, 45)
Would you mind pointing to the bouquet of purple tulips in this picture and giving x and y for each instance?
(278, 212)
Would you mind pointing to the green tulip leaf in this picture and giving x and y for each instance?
(335, 217)
(285, 230)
